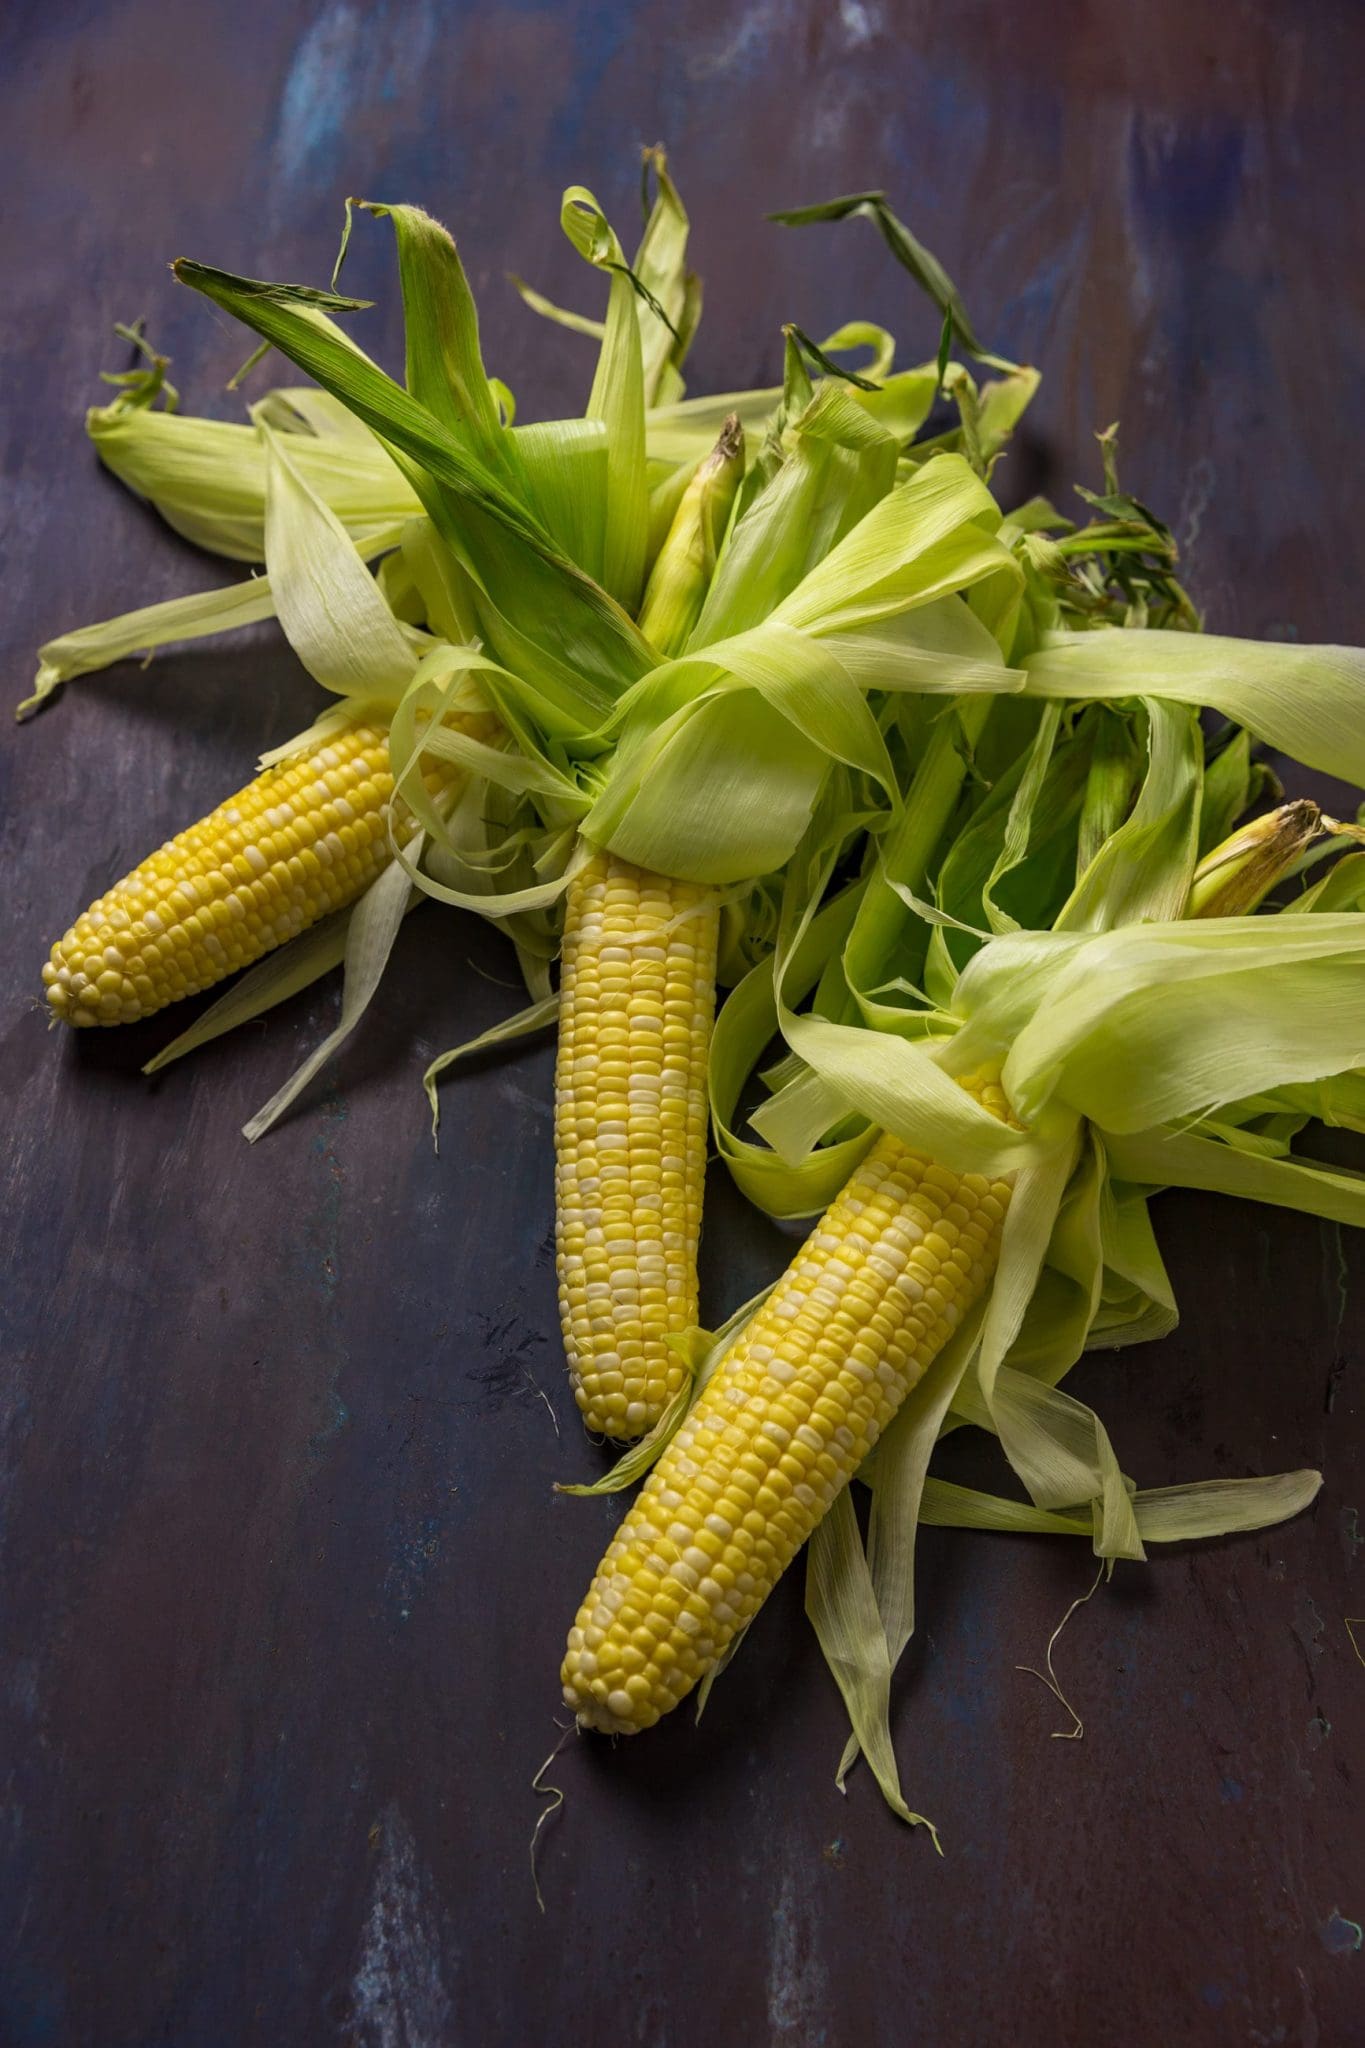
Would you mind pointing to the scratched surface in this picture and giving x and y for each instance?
(285, 1585)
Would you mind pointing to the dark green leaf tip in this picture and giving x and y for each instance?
(204, 277)
(825, 363)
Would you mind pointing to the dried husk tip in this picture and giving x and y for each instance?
(1239, 874)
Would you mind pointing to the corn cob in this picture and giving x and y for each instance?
(637, 997)
(686, 562)
(302, 839)
(783, 1423)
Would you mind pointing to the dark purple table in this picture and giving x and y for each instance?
(285, 1584)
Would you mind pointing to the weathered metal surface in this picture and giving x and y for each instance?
(285, 1584)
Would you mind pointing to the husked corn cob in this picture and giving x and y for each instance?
(302, 839)
(637, 997)
(784, 1422)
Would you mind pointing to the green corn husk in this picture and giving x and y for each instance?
(861, 565)
(1110, 786)
(500, 567)
(207, 478)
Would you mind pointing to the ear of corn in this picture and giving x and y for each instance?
(684, 566)
(636, 1004)
(637, 1001)
(1236, 876)
(301, 840)
(783, 1423)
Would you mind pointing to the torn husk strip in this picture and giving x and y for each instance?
(1110, 787)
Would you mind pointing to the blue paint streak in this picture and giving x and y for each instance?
(1184, 196)
(1230, 1792)
(956, 107)
(598, 34)
(317, 91)
(30, 2013)
(351, 57)
(973, 1697)
(1185, 185)
(1027, 319)
(1214, 1997)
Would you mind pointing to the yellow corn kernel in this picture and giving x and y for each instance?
(636, 1007)
(305, 838)
(783, 1423)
